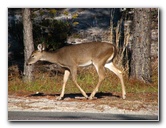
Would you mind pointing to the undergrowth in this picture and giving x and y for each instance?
(87, 79)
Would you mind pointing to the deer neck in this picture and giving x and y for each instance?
(49, 56)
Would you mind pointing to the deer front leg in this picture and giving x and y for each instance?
(65, 78)
(74, 76)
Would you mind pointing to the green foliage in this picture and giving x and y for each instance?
(66, 13)
(45, 29)
(75, 23)
(75, 15)
(15, 35)
(16, 31)
(53, 32)
(53, 11)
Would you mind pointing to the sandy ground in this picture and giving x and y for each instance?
(101, 105)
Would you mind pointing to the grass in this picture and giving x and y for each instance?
(87, 79)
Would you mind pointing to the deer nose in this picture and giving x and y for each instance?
(27, 64)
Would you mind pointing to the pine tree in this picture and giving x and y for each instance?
(28, 43)
(140, 60)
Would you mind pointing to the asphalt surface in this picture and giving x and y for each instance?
(75, 116)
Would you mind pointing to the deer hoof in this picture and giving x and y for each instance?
(92, 98)
(124, 97)
(59, 98)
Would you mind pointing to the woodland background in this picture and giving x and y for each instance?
(134, 32)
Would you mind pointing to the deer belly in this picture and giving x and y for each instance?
(86, 63)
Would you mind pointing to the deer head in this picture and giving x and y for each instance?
(36, 55)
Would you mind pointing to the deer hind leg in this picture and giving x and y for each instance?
(74, 77)
(111, 67)
(65, 78)
(101, 74)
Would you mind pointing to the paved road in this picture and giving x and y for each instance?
(66, 116)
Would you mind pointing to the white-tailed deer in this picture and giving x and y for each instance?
(99, 54)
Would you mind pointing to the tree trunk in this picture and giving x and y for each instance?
(28, 44)
(140, 59)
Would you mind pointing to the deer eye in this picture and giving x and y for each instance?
(32, 56)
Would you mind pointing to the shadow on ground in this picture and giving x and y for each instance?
(74, 95)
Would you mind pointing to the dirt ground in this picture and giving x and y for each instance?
(135, 103)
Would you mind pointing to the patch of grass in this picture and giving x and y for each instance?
(87, 79)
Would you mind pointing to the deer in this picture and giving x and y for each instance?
(98, 54)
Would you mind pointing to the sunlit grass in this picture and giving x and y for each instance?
(87, 79)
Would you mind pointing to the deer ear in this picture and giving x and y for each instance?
(43, 46)
(40, 47)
